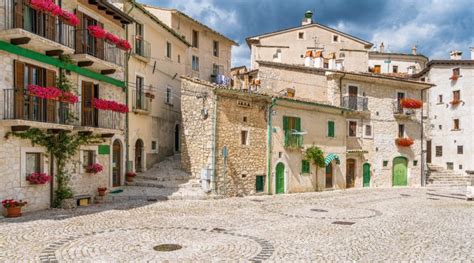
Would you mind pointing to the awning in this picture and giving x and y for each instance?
(330, 158)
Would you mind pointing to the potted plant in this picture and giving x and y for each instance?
(94, 168)
(404, 142)
(13, 207)
(455, 102)
(102, 191)
(38, 178)
(411, 103)
(130, 176)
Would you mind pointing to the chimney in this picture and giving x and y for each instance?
(472, 53)
(382, 48)
(413, 50)
(308, 58)
(456, 55)
(308, 18)
(332, 61)
(318, 59)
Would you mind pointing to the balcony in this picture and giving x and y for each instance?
(34, 30)
(97, 54)
(355, 103)
(22, 111)
(402, 113)
(99, 121)
(141, 102)
(293, 139)
(141, 48)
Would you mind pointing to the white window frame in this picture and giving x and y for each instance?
(357, 128)
(170, 46)
(44, 161)
(195, 66)
(365, 129)
(169, 91)
(247, 143)
(359, 89)
(95, 149)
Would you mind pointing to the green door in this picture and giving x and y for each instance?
(400, 169)
(280, 178)
(366, 175)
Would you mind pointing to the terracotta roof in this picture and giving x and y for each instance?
(398, 54)
(176, 11)
(452, 62)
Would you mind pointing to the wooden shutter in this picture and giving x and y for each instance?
(18, 14)
(79, 33)
(99, 44)
(331, 131)
(19, 89)
(50, 104)
(305, 167)
(50, 27)
(298, 124)
(87, 103)
(285, 123)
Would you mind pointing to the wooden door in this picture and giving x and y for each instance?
(116, 163)
(280, 179)
(329, 176)
(428, 151)
(400, 169)
(87, 104)
(350, 173)
(353, 93)
(400, 97)
(51, 104)
(366, 172)
(19, 90)
(139, 156)
(79, 43)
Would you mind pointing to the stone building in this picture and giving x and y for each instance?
(210, 54)
(397, 64)
(29, 53)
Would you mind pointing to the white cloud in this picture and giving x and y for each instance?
(241, 56)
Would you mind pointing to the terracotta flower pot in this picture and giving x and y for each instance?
(102, 193)
(129, 179)
(14, 211)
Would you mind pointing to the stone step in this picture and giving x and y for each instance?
(144, 184)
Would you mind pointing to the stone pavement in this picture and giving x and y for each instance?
(353, 225)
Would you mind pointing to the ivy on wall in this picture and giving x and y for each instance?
(316, 156)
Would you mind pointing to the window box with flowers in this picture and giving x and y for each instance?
(94, 168)
(456, 74)
(130, 176)
(404, 142)
(49, 7)
(411, 103)
(102, 191)
(455, 102)
(100, 33)
(38, 178)
(13, 207)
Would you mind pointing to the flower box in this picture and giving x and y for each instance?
(102, 104)
(102, 191)
(97, 31)
(38, 178)
(48, 6)
(411, 103)
(94, 168)
(404, 142)
(130, 176)
(455, 102)
(52, 93)
(13, 207)
(454, 77)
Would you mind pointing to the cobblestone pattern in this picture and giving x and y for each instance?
(389, 225)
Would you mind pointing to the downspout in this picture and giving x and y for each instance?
(51, 173)
(340, 88)
(269, 144)
(128, 167)
(214, 143)
(423, 175)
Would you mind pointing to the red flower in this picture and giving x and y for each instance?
(404, 142)
(124, 45)
(69, 18)
(7, 203)
(52, 93)
(38, 178)
(130, 174)
(94, 168)
(411, 103)
(102, 189)
(69, 97)
(97, 31)
(112, 38)
(110, 105)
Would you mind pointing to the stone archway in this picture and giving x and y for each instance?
(116, 163)
(139, 155)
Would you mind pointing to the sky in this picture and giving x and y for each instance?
(435, 26)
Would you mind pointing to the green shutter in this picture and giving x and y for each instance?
(331, 130)
(104, 149)
(259, 183)
(298, 124)
(305, 167)
(285, 123)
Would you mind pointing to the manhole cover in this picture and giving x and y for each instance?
(167, 247)
(345, 223)
(319, 210)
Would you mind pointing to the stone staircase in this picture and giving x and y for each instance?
(165, 181)
(438, 176)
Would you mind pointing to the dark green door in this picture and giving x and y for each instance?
(366, 175)
(400, 170)
(280, 178)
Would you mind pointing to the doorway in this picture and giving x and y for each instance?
(116, 163)
(329, 176)
(428, 152)
(350, 173)
(139, 156)
(280, 178)
(176, 138)
(366, 171)
(400, 170)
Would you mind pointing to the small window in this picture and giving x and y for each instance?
(33, 163)
(305, 167)
(352, 129)
(216, 48)
(440, 98)
(460, 167)
(456, 124)
(244, 137)
(195, 64)
(179, 58)
(401, 130)
(245, 119)
(439, 151)
(460, 149)
(415, 163)
(385, 163)
(335, 38)
(301, 35)
(169, 96)
(259, 183)
(195, 39)
(395, 69)
(456, 96)
(326, 65)
(88, 158)
(368, 130)
(153, 145)
(342, 55)
(168, 50)
(440, 127)
(456, 72)
(331, 129)
(450, 166)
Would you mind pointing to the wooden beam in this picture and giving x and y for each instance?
(107, 135)
(86, 63)
(20, 41)
(107, 71)
(20, 128)
(54, 53)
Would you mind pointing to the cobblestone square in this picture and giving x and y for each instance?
(435, 225)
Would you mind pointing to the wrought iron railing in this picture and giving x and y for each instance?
(141, 47)
(38, 23)
(355, 103)
(399, 110)
(90, 117)
(293, 139)
(20, 105)
(100, 49)
(140, 101)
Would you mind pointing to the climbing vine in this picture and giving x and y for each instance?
(62, 146)
(316, 155)
(63, 83)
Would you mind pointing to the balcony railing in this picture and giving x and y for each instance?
(293, 139)
(141, 47)
(19, 105)
(94, 118)
(140, 101)
(355, 103)
(41, 24)
(98, 48)
(398, 110)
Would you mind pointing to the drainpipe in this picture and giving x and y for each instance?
(214, 150)
(423, 175)
(340, 88)
(269, 144)
(51, 184)
(127, 102)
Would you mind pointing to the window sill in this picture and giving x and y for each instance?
(456, 130)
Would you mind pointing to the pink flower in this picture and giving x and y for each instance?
(69, 18)
(112, 38)
(102, 104)
(124, 45)
(97, 31)
(69, 98)
(38, 178)
(94, 168)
